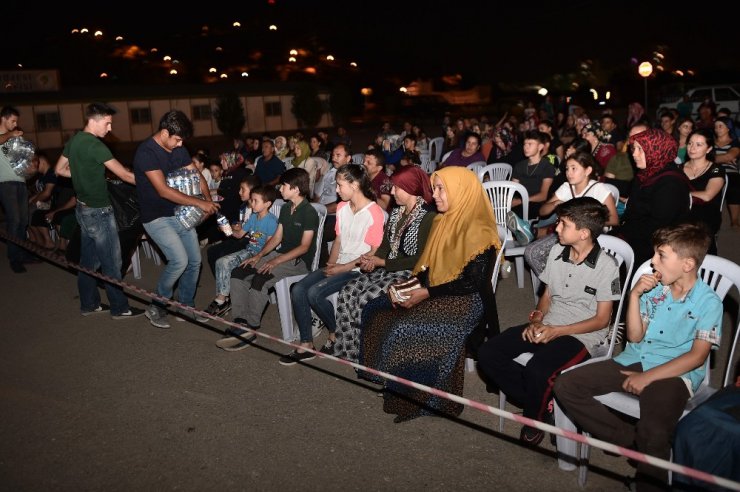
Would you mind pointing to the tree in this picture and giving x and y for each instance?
(340, 104)
(307, 106)
(229, 115)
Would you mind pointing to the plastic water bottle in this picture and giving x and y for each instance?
(223, 224)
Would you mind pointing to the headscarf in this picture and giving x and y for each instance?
(465, 230)
(305, 153)
(602, 135)
(660, 150)
(414, 181)
(283, 150)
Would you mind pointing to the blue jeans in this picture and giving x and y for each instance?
(99, 248)
(225, 265)
(311, 293)
(180, 247)
(14, 200)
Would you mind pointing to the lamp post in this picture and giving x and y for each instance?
(645, 70)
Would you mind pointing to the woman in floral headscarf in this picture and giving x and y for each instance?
(601, 149)
(405, 235)
(660, 191)
(281, 147)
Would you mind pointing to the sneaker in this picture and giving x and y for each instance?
(156, 318)
(216, 309)
(530, 436)
(328, 347)
(239, 340)
(132, 312)
(103, 308)
(519, 228)
(294, 357)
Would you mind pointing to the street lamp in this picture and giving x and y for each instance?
(645, 70)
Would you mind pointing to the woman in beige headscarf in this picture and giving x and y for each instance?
(423, 338)
(281, 147)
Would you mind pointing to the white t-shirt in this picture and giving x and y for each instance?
(594, 189)
(360, 232)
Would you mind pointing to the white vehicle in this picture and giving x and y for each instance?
(724, 96)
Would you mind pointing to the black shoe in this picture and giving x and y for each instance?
(17, 267)
(294, 357)
(102, 308)
(216, 309)
(328, 347)
(239, 340)
(531, 437)
(132, 312)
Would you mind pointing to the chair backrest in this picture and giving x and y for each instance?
(614, 191)
(427, 164)
(724, 192)
(358, 158)
(502, 232)
(498, 171)
(444, 157)
(288, 161)
(501, 193)
(435, 146)
(321, 210)
(276, 206)
(625, 256)
(476, 166)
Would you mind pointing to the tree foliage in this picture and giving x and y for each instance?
(307, 107)
(229, 115)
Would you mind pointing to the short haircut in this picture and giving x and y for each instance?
(342, 146)
(9, 111)
(379, 156)
(252, 181)
(586, 213)
(296, 178)
(607, 117)
(410, 136)
(267, 193)
(176, 123)
(688, 240)
(541, 137)
(548, 123)
(98, 110)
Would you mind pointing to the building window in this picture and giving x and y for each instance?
(48, 121)
(201, 112)
(273, 109)
(141, 116)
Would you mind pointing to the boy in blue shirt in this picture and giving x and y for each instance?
(260, 227)
(673, 321)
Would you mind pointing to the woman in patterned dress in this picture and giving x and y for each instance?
(423, 338)
(403, 241)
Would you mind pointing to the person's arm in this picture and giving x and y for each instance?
(714, 187)
(42, 195)
(269, 246)
(730, 156)
(547, 333)
(637, 381)
(294, 253)
(156, 177)
(383, 200)
(549, 206)
(612, 207)
(8, 135)
(119, 170)
(331, 208)
(407, 262)
(635, 327)
(71, 203)
(62, 167)
(541, 196)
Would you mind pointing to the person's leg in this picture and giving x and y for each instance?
(108, 252)
(87, 286)
(317, 298)
(301, 306)
(189, 278)
(225, 247)
(661, 405)
(575, 391)
(14, 200)
(164, 233)
(328, 235)
(496, 361)
(224, 266)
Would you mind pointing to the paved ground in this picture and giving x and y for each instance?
(96, 404)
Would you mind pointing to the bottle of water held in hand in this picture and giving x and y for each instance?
(223, 224)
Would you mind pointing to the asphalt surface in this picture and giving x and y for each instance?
(89, 403)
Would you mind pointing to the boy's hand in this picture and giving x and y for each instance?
(540, 333)
(646, 283)
(250, 261)
(635, 382)
(267, 267)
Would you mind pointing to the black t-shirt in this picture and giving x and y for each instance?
(229, 190)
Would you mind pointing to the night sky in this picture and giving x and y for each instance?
(482, 41)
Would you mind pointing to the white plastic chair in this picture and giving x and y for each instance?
(501, 193)
(288, 161)
(358, 158)
(470, 363)
(624, 255)
(614, 191)
(282, 287)
(476, 166)
(427, 164)
(721, 275)
(435, 148)
(498, 171)
(276, 206)
(444, 157)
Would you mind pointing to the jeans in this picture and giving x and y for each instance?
(225, 247)
(14, 200)
(99, 248)
(311, 293)
(224, 265)
(180, 247)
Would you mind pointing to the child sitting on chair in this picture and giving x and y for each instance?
(571, 321)
(673, 320)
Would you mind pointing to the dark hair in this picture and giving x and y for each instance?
(378, 154)
(176, 123)
(724, 110)
(541, 137)
(9, 111)
(683, 120)
(410, 136)
(267, 193)
(607, 116)
(412, 156)
(580, 144)
(548, 123)
(586, 213)
(474, 135)
(708, 136)
(585, 159)
(252, 181)
(354, 173)
(296, 177)
(569, 133)
(688, 240)
(342, 145)
(98, 110)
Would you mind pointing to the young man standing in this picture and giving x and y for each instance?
(13, 193)
(85, 159)
(674, 320)
(155, 158)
